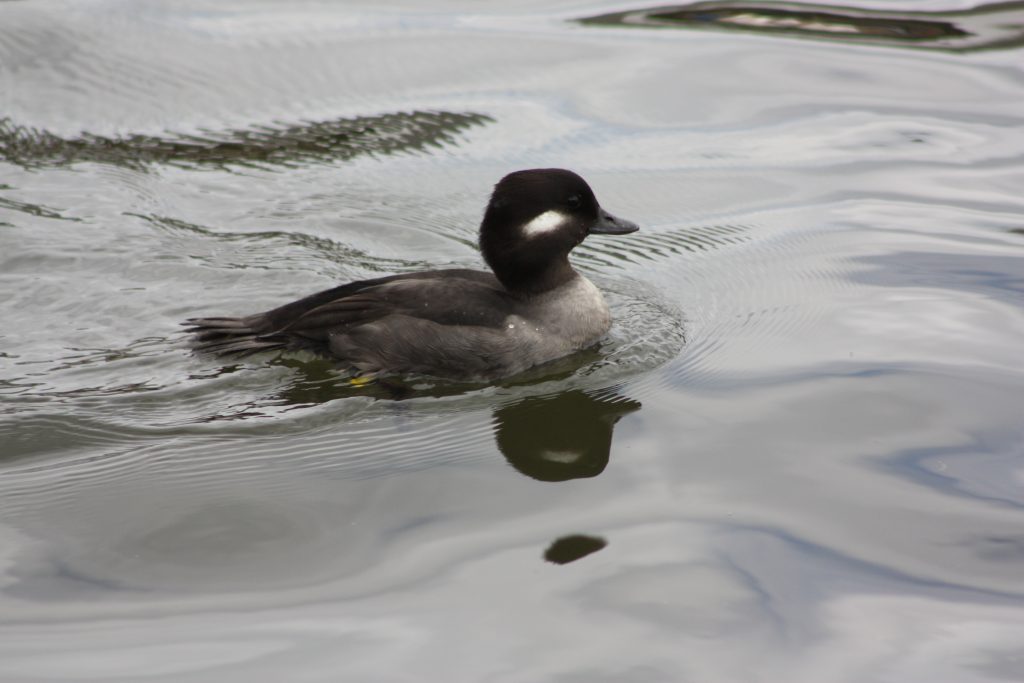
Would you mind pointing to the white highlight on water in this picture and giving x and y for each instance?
(544, 223)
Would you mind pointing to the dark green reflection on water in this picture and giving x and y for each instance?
(560, 437)
(553, 437)
(273, 145)
(986, 27)
(571, 548)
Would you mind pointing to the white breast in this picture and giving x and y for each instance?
(570, 317)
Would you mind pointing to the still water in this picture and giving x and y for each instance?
(796, 457)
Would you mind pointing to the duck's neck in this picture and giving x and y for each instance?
(527, 280)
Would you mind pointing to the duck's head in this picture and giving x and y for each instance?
(532, 222)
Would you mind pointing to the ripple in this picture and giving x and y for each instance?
(659, 245)
(986, 27)
(273, 249)
(32, 209)
(752, 296)
(265, 146)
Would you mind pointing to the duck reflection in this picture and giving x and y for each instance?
(560, 437)
(571, 548)
(554, 437)
(551, 438)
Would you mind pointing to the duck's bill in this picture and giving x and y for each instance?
(608, 224)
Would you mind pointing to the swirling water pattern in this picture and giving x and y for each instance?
(796, 457)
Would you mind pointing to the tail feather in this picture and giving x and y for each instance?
(230, 336)
(219, 322)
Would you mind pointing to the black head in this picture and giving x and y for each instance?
(534, 219)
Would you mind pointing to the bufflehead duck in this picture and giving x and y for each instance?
(459, 323)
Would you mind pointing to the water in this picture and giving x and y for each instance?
(796, 457)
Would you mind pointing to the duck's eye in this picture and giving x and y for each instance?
(575, 201)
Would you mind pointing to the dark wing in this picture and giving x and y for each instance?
(446, 297)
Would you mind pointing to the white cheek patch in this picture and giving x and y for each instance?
(549, 221)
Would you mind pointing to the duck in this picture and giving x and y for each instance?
(459, 324)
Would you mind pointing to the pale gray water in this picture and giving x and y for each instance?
(798, 456)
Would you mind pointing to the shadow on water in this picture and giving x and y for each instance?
(289, 146)
(998, 26)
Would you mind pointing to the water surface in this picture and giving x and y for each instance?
(797, 456)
